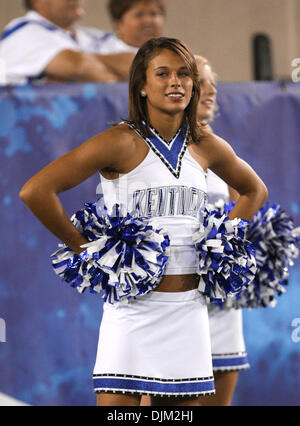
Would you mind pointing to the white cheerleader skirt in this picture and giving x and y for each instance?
(227, 339)
(157, 344)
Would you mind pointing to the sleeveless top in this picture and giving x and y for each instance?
(217, 189)
(176, 203)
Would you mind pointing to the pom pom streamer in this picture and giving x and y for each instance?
(276, 241)
(125, 257)
(226, 260)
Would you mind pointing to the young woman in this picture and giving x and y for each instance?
(158, 343)
(226, 327)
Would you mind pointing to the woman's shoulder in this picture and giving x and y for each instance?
(210, 139)
(120, 136)
(212, 148)
(122, 130)
(120, 143)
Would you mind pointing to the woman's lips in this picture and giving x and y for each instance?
(209, 103)
(175, 96)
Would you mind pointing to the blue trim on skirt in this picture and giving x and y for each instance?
(228, 362)
(108, 383)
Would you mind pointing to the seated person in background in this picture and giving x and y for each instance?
(46, 45)
(136, 21)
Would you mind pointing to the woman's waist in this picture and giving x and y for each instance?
(182, 260)
(176, 283)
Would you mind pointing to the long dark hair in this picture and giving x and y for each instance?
(138, 112)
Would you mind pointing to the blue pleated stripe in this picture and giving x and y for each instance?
(230, 362)
(126, 384)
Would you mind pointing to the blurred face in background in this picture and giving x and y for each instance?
(143, 21)
(207, 102)
(63, 13)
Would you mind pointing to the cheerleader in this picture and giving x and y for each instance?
(154, 336)
(226, 328)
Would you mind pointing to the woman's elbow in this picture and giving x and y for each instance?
(262, 193)
(31, 192)
(26, 193)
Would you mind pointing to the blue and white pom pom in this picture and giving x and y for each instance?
(226, 260)
(125, 256)
(276, 241)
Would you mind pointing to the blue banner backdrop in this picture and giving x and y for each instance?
(51, 331)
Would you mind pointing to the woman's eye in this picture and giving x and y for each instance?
(161, 74)
(155, 14)
(138, 15)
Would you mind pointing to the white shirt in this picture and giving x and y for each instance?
(29, 43)
(176, 203)
(217, 189)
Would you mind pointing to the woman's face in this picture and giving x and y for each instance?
(140, 23)
(168, 85)
(207, 101)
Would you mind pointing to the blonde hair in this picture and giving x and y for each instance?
(201, 61)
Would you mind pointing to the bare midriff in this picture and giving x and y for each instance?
(174, 283)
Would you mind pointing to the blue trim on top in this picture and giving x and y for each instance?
(106, 36)
(22, 24)
(170, 152)
(38, 77)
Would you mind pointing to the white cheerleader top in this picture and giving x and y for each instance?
(217, 189)
(176, 203)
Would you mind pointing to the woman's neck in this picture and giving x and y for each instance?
(166, 125)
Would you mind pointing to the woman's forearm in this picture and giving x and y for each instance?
(50, 212)
(248, 204)
(118, 63)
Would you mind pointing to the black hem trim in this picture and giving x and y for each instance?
(230, 354)
(196, 395)
(225, 369)
(194, 379)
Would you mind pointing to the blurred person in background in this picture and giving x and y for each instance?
(136, 21)
(47, 45)
(226, 326)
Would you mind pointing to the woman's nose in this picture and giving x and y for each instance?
(175, 80)
(212, 89)
(147, 19)
(208, 88)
